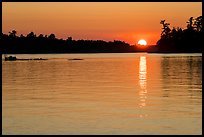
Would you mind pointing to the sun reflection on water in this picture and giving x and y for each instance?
(142, 81)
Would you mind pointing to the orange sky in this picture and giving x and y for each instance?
(126, 21)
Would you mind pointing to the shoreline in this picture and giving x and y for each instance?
(106, 52)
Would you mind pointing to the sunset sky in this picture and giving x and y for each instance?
(125, 21)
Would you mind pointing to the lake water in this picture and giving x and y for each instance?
(120, 93)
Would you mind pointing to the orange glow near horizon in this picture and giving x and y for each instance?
(125, 21)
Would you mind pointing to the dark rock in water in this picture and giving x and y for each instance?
(39, 59)
(13, 58)
(10, 58)
(75, 59)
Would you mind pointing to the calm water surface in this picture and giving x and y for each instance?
(121, 93)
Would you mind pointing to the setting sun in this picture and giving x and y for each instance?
(142, 42)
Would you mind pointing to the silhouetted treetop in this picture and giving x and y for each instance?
(182, 40)
(50, 44)
(12, 33)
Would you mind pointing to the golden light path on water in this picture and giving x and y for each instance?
(119, 93)
(142, 81)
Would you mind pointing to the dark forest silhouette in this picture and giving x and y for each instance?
(182, 40)
(172, 40)
(31, 43)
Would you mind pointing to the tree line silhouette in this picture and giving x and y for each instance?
(172, 40)
(182, 40)
(32, 43)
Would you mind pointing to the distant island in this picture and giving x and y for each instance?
(172, 40)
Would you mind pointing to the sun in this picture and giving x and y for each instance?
(142, 42)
